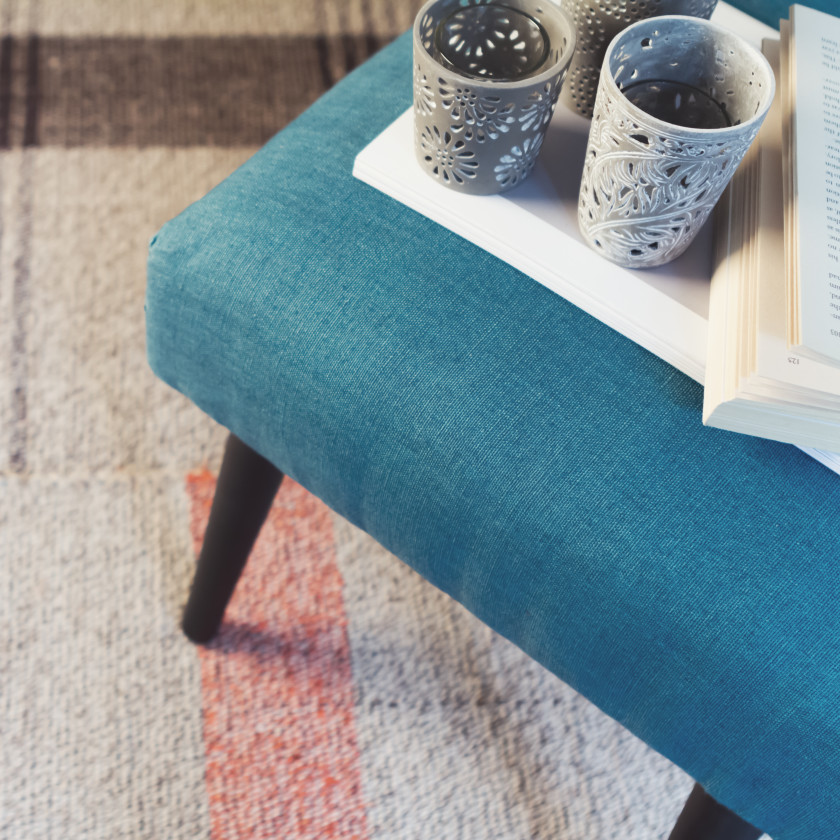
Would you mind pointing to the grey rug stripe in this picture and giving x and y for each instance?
(20, 313)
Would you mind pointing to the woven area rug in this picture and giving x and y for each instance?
(345, 697)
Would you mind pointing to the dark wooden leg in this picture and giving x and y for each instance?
(703, 818)
(244, 493)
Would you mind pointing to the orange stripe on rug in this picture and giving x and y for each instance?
(282, 756)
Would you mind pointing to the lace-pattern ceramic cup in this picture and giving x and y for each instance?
(486, 79)
(679, 102)
(597, 22)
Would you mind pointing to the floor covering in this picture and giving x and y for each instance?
(345, 697)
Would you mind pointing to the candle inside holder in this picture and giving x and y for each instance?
(677, 103)
(491, 41)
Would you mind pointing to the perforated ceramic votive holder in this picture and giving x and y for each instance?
(679, 102)
(597, 22)
(486, 80)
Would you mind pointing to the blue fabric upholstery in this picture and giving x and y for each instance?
(545, 471)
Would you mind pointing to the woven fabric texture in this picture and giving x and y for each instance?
(544, 471)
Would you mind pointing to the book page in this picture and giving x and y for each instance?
(816, 129)
(791, 217)
(774, 361)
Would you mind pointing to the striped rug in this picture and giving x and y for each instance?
(345, 698)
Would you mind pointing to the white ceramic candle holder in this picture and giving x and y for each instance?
(649, 183)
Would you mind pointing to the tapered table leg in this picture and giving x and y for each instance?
(704, 818)
(244, 492)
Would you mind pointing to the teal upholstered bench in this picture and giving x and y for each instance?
(543, 470)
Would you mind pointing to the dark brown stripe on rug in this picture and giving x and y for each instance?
(6, 44)
(33, 97)
(201, 91)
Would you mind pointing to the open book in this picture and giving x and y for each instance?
(534, 228)
(771, 312)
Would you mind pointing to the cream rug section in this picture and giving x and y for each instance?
(100, 704)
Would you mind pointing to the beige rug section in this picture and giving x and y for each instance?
(100, 707)
(73, 269)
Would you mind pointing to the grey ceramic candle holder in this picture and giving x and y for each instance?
(597, 22)
(648, 183)
(486, 80)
